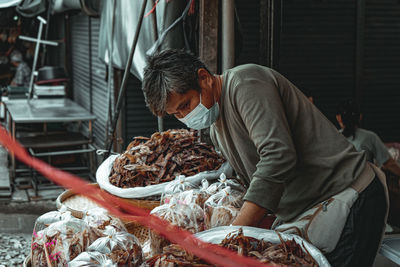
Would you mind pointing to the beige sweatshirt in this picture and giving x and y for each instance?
(280, 144)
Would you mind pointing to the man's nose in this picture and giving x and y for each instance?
(181, 114)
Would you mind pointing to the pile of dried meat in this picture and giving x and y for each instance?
(161, 158)
(287, 253)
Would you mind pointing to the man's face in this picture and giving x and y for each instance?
(180, 105)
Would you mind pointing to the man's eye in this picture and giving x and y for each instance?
(184, 106)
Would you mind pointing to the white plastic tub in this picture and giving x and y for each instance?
(391, 249)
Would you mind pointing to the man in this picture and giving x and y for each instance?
(290, 156)
(22, 73)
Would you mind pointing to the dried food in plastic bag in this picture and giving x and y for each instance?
(63, 241)
(48, 218)
(121, 247)
(222, 183)
(146, 249)
(99, 218)
(194, 197)
(180, 184)
(189, 217)
(92, 259)
(38, 238)
(184, 192)
(225, 197)
(177, 186)
(187, 197)
(222, 216)
(222, 208)
(79, 203)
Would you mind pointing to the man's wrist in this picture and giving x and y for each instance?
(250, 214)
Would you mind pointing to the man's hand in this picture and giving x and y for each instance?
(250, 214)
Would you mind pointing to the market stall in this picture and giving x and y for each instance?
(204, 202)
(171, 199)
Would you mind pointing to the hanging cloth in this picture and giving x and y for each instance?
(9, 3)
(31, 8)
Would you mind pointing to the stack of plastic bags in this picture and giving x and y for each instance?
(60, 239)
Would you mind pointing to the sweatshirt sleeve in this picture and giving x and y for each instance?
(379, 150)
(261, 109)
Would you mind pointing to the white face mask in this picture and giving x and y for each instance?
(201, 117)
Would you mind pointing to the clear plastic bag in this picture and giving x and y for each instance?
(99, 218)
(180, 184)
(61, 242)
(222, 183)
(221, 216)
(92, 259)
(222, 208)
(121, 247)
(48, 218)
(189, 217)
(193, 196)
(225, 197)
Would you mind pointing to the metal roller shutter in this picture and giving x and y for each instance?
(381, 94)
(139, 121)
(80, 60)
(99, 84)
(88, 72)
(90, 87)
(317, 49)
(249, 17)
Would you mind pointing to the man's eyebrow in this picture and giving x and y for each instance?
(184, 102)
(181, 105)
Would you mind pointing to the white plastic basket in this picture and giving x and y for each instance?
(216, 235)
(104, 170)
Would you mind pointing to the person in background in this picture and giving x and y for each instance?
(349, 119)
(287, 153)
(308, 93)
(22, 73)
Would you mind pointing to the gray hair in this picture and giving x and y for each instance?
(169, 71)
(16, 56)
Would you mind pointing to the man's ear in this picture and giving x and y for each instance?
(339, 118)
(204, 77)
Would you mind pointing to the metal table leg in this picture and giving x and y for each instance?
(11, 128)
(91, 154)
